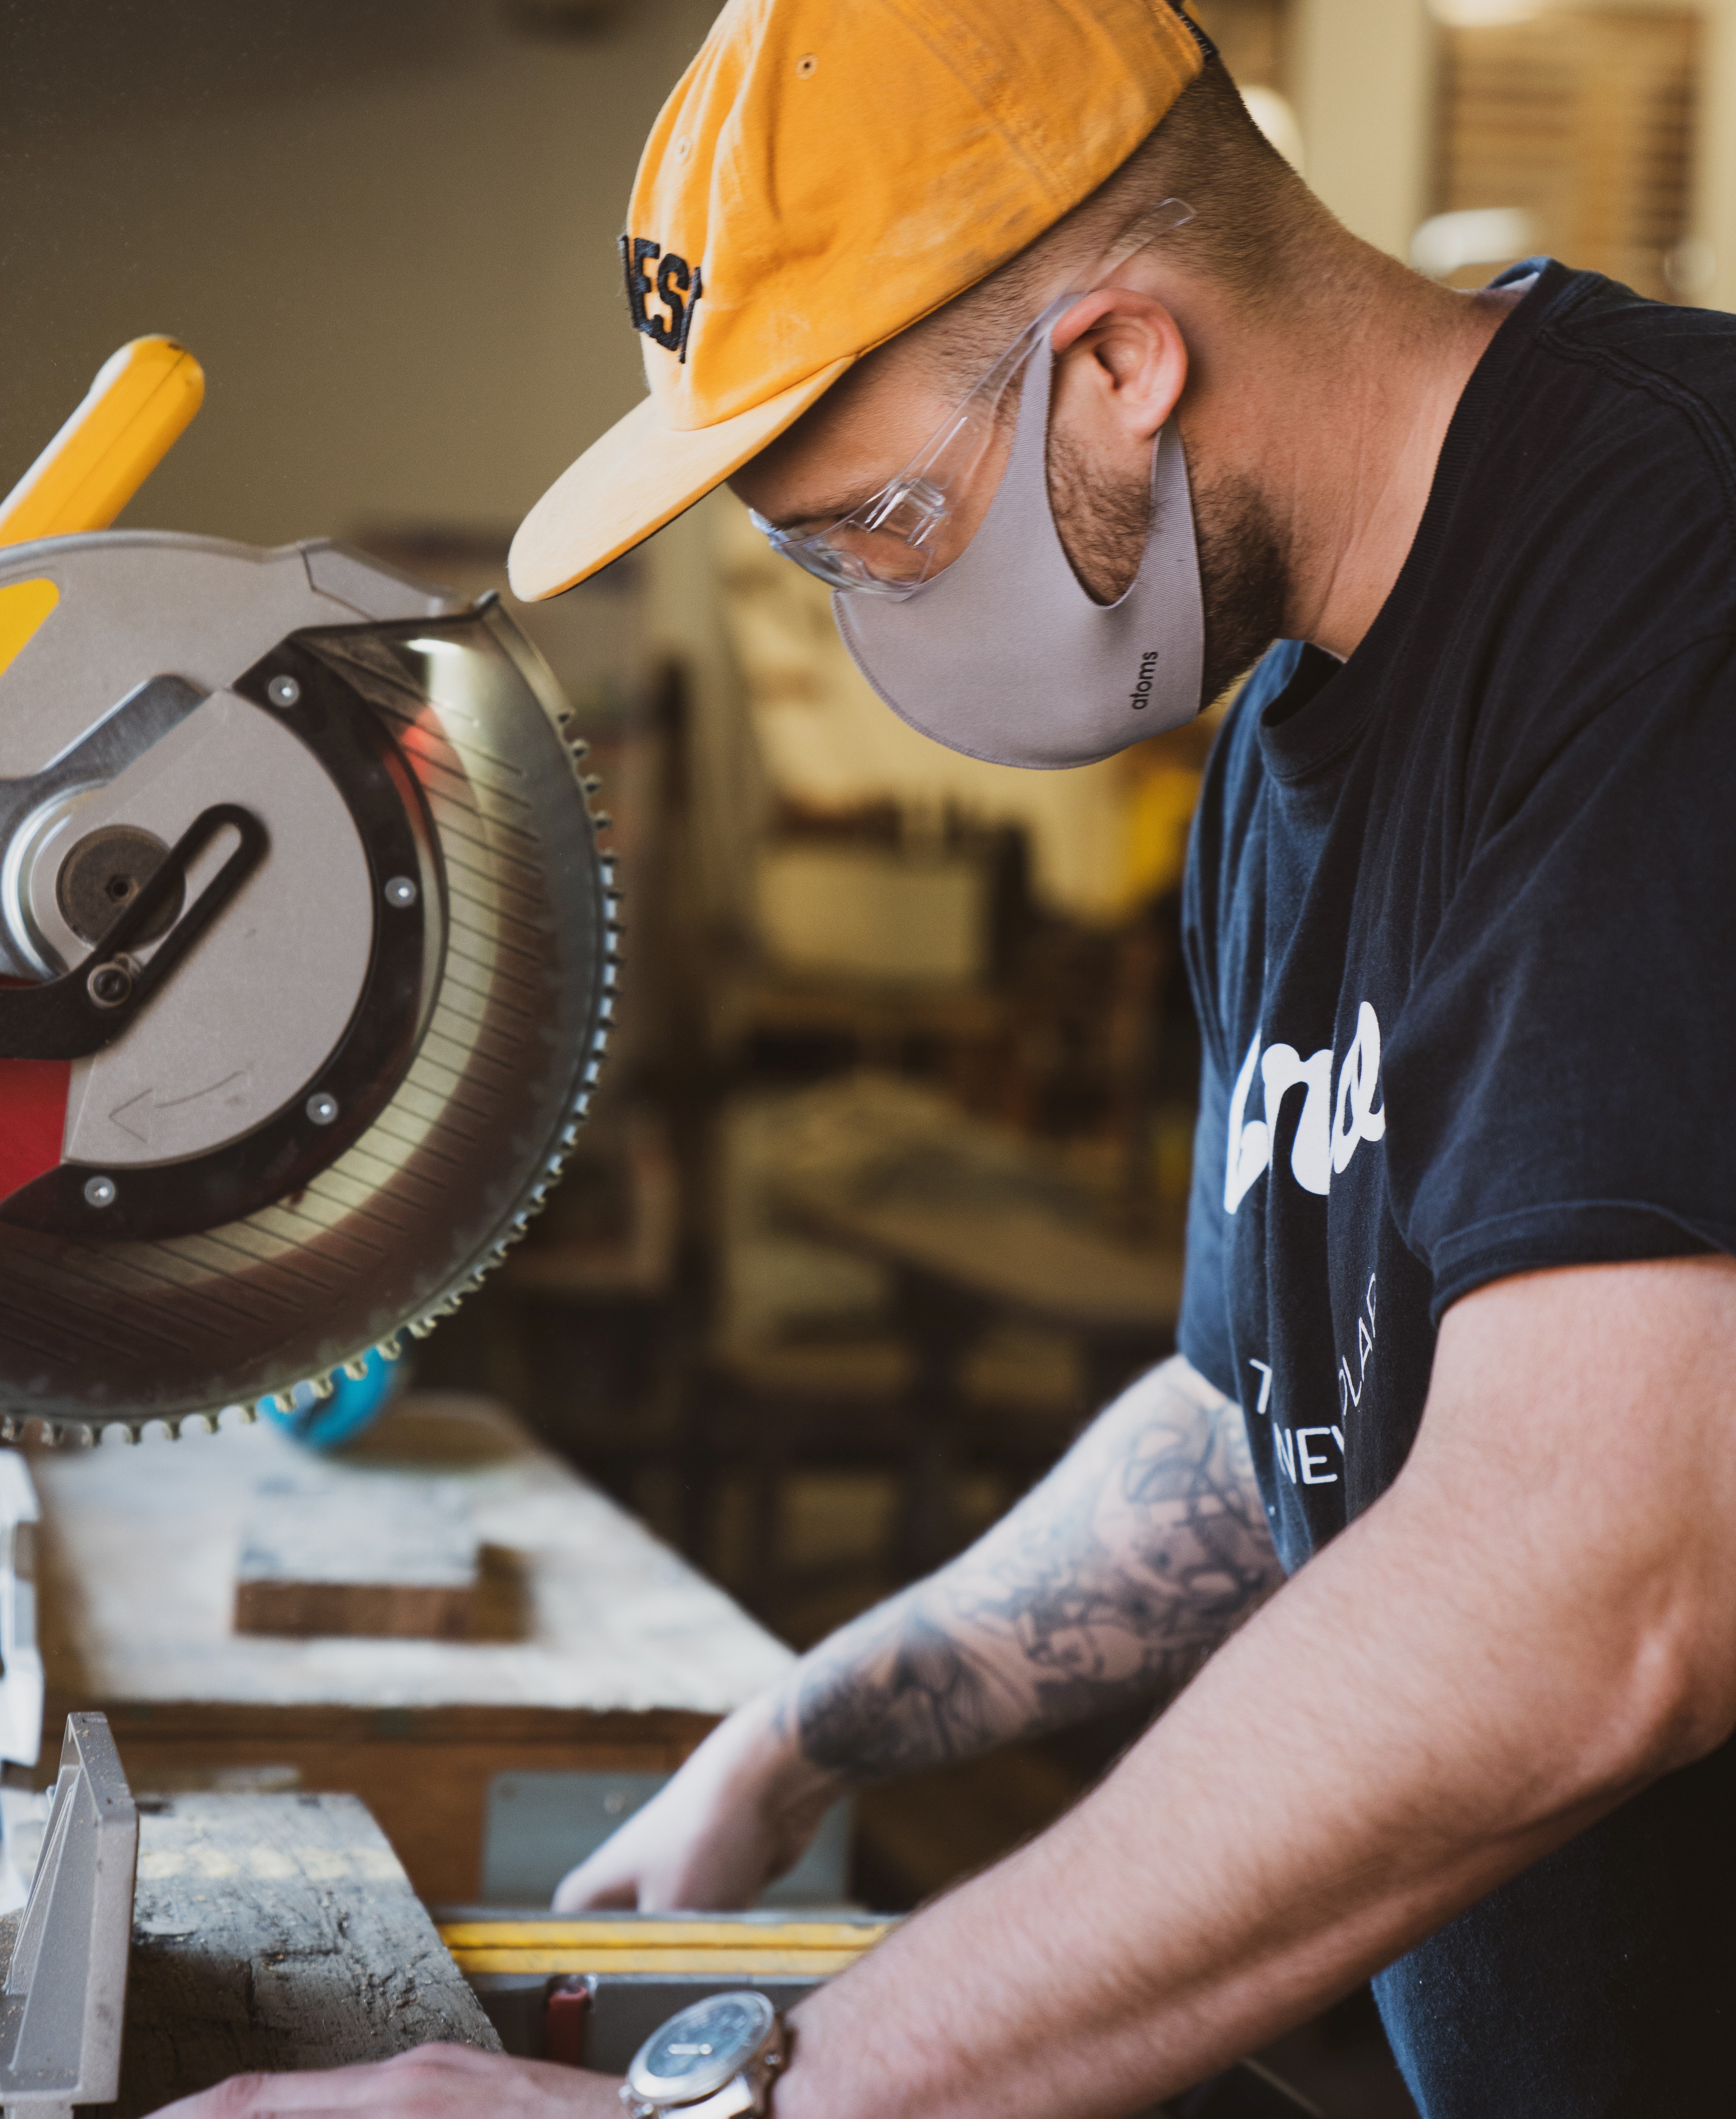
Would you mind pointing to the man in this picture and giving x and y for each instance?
(1445, 1471)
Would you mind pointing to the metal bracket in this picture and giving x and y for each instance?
(117, 740)
(90, 1006)
(64, 1999)
(21, 1679)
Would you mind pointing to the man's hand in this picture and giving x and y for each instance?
(1109, 1585)
(433, 2082)
(740, 1813)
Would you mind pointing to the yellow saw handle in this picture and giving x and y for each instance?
(140, 403)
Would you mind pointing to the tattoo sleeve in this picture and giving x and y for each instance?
(1110, 1583)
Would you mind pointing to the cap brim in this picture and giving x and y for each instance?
(639, 476)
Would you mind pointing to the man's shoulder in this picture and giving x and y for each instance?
(1640, 342)
(1668, 372)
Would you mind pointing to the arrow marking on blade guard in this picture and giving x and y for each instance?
(138, 1115)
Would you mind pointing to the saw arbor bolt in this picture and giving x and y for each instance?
(103, 873)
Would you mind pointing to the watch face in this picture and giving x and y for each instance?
(700, 2050)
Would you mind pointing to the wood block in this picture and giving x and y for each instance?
(404, 1565)
(277, 1932)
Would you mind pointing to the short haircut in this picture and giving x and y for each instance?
(1248, 209)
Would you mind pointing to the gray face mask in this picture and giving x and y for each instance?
(1004, 656)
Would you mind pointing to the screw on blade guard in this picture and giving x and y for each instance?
(88, 1006)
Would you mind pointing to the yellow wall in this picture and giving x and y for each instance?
(1362, 71)
(1716, 187)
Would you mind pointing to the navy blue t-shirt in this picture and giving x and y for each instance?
(1461, 925)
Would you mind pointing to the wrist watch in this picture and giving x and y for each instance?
(714, 2060)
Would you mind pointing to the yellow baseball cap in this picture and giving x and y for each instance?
(827, 172)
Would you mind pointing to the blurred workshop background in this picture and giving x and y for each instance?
(884, 1194)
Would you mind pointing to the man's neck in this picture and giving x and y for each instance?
(1337, 407)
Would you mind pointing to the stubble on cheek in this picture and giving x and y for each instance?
(1103, 521)
(1244, 579)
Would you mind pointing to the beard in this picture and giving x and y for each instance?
(1103, 520)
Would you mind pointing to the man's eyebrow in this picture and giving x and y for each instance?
(817, 514)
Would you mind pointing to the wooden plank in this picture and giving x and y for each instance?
(647, 1932)
(323, 1558)
(669, 1964)
(277, 1932)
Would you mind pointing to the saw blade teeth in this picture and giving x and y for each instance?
(286, 1402)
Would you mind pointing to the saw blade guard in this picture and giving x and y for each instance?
(315, 1126)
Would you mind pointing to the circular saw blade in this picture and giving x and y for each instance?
(233, 1257)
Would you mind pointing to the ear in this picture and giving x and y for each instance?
(1120, 365)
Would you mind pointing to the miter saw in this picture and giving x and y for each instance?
(307, 946)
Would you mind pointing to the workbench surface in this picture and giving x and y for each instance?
(584, 1608)
(597, 1648)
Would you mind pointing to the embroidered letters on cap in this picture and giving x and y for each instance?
(678, 286)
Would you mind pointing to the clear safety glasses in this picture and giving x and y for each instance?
(893, 543)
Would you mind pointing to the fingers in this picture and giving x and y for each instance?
(576, 1893)
(431, 2082)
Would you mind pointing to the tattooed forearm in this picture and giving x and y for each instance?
(1111, 1583)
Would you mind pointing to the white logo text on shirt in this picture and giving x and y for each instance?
(1328, 1131)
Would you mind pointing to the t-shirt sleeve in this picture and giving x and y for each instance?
(1560, 1086)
